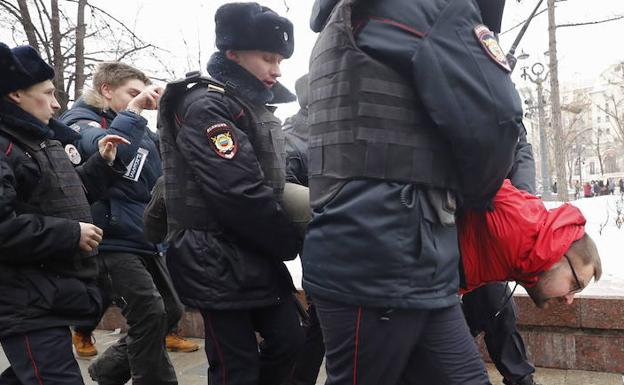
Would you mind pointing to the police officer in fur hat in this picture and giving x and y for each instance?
(47, 240)
(223, 154)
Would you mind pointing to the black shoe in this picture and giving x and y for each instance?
(528, 380)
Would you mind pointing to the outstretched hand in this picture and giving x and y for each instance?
(108, 146)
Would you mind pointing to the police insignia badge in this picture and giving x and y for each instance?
(222, 140)
(490, 44)
(73, 154)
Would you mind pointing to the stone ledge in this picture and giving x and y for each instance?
(587, 335)
(586, 312)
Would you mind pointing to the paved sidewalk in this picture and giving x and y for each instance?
(191, 368)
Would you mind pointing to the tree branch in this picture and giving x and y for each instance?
(590, 22)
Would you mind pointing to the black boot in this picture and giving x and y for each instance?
(528, 380)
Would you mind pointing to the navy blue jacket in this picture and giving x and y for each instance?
(380, 243)
(120, 214)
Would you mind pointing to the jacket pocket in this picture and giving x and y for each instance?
(249, 270)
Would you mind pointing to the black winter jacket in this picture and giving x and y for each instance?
(120, 212)
(239, 264)
(31, 297)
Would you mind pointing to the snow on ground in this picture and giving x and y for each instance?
(601, 213)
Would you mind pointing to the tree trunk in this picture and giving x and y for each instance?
(29, 28)
(80, 61)
(57, 53)
(555, 102)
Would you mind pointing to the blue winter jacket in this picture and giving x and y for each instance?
(120, 214)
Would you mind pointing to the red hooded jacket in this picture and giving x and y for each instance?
(518, 240)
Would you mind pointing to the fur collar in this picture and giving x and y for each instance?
(245, 84)
(14, 116)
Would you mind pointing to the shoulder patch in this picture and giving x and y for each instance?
(75, 127)
(73, 154)
(489, 43)
(222, 140)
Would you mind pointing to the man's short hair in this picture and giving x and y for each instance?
(116, 74)
(587, 253)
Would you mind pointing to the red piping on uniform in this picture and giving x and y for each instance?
(400, 25)
(32, 359)
(103, 123)
(177, 119)
(357, 344)
(216, 344)
(8, 150)
(240, 114)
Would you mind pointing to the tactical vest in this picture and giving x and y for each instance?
(184, 198)
(366, 122)
(59, 193)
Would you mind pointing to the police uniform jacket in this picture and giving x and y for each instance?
(228, 233)
(45, 280)
(120, 212)
(379, 242)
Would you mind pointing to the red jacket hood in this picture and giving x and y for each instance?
(518, 240)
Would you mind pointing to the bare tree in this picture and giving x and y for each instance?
(555, 103)
(60, 31)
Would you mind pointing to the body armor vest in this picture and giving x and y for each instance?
(59, 193)
(184, 199)
(366, 122)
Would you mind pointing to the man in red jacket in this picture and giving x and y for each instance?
(545, 251)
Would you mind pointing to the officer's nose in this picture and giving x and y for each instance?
(275, 71)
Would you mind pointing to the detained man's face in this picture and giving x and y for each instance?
(263, 65)
(119, 97)
(38, 100)
(559, 283)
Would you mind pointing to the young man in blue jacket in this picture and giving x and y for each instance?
(120, 93)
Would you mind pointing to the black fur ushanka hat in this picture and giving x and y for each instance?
(250, 26)
(21, 67)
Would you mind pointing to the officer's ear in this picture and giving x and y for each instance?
(14, 97)
(232, 55)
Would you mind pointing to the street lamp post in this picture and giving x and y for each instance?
(538, 79)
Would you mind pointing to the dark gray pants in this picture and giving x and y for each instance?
(504, 342)
(141, 354)
(40, 357)
(371, 346)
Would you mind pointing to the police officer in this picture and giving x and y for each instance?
(223, 157)
(129, 262)
(412, 112)
(47, 239)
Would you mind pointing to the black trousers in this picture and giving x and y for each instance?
(234, 355)
(371, 346)
(157, 267)
(41, 357)
(306, 369)
(141, 354)
(503, 341)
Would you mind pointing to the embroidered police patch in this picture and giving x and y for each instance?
(222, 140)
(490, 44)
(73, 154)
